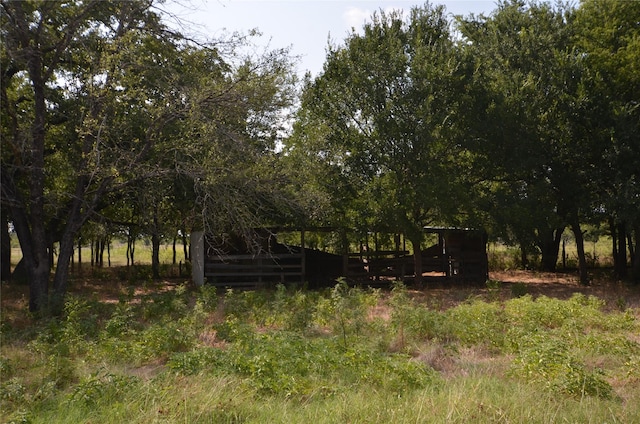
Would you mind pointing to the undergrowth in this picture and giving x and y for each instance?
(202, 355)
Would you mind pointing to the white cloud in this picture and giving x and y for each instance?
(354, 17)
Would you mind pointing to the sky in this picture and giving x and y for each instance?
(304, 26)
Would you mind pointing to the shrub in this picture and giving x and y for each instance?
(293, 311)
(102, 388)
(519, 289)
(548, 361)
(121, 322)
(411, 321)
(477, 323)
(197, 360)
(345, 310)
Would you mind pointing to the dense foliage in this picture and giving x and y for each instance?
(113, 123)
(524, 121)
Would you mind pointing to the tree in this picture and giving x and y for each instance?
(530, 141)
(94, 93)
(608, 36)
(386, 106)
(38, 44)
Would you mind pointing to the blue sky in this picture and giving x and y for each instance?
(305, 26)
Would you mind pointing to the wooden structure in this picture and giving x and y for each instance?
(232, 263)
(459, 255)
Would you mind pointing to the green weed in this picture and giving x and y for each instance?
(345, 310)
(550, 362)
(289, 355)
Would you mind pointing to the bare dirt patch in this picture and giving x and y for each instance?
(562, 285)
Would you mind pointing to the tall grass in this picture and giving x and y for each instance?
(340, 355)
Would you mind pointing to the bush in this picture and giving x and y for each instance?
(477, 323)
(548, 361)
(103, 388)
(411, 322)
(197, 360)
(345, 310)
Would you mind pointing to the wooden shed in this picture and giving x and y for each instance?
(459, 254)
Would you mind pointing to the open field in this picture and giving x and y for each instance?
(529, 347)
(118, 254)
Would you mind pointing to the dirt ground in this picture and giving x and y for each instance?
(563, 285)
(507, 284)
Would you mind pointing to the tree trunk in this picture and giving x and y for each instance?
(550, 246)
(175, 240)
(614, 245)
(185, 246)
(62, 267)
(5, 246)
(582, 261)
(636, 257)
(622, 252)
(632, 250)
(103, 243)
(79, 252)
(36, 259)
(416, 243)
(523, 256)
(131, 246)
(155, 246)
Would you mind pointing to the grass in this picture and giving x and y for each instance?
(598, 255)
(169, 352)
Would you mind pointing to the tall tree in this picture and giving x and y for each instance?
(529, 142)
(98, 96)
(386, 106)
(608, 35)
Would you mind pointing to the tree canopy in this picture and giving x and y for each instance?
(104, 105)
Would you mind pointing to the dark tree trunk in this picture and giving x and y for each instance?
(155, 246)
(131, 246)
(632, 250)
(175, 254)
(614, 245)
(131, 249)
(36, 258)
(5, 246)
(523, 256)
(549, 247)
(621, 271)
(66, 251)
(636, 256)
(79, 252)
(582, 260)
(103, 243)
(185, 246)
(52, 256)
(416, 243)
